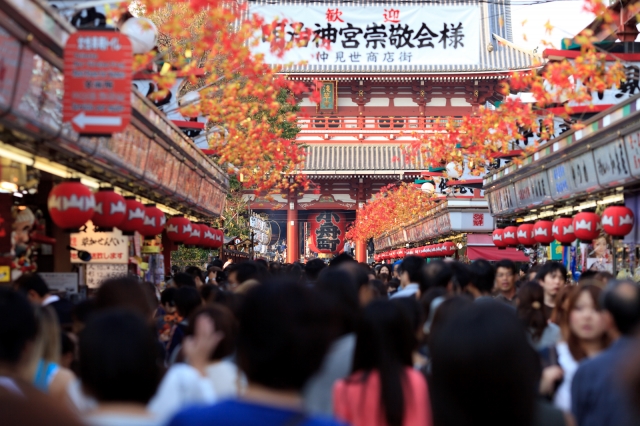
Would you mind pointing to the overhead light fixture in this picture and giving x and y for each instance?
(586, 205)
(8, 187)
(617, 198)
(565, 210)
(18, 194)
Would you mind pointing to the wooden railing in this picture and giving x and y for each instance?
(374, 123)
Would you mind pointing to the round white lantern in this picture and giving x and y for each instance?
(142, 33)
(454, 170)
(428, 187)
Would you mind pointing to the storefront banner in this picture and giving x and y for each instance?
(583, 173)
(372, 36)
(104, 247)
(560, 181)
(471, 222)
(612, 164)
(533, 190)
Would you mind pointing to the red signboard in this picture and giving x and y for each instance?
(97, 82)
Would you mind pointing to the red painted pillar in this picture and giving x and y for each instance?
(361, 251)
(292, 230)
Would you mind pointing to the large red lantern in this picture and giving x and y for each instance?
(178, 229)
(402, 253)
(510, 236)
(563, 230)
(194, 238)
(209, 236)
(154, 220)
(110, 210)
(586, 226)
(617, 220)
(525, 234)
(449, 248)
(71, 205)
(218, 238)
(543, 232)
(498, 238)
(437, 250)
(134, 218)
(327, 231)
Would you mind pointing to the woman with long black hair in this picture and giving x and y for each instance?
(384, 389)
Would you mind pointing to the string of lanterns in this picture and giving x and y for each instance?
(71, 205)
(434, 250)
(616, 221)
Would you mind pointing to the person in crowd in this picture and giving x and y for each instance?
(47, 374)
(436, 273)
(80, 315)
(182, 279)
(187, 301)
(394, 286)
(197, 275)
(505, 284)
(410, 277)
(413, 311)
(68, 351)
(430, 301)
(312, 270)
(560, 313)
(380, 289)
(542, 333)
(18, 331)
(212, 274)
(282, 341)
(482, 279)
(384, 274)
(383, 389)
(360, 274)
(585, 338)
(38, 293)
(244, 273)
(477, 354)
(118, 368)
(523, 271)
(531, 274)
(208, 292)
(341, 291)
(552, 277)
(597, 393)
(227, 381)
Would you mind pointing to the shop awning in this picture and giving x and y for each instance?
(480, 246)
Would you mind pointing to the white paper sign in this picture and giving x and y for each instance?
(370, 36)
(61, 281)
(612, 164)
(98, 273)
(104, 247)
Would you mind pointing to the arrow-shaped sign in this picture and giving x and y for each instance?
(82, 120)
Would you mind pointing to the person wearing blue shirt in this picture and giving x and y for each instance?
(598, 397)
(281, 344)
(410, 271)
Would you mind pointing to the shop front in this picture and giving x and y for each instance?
(134, 180)
(575, 199)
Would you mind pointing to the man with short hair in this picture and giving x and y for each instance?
(505, 282)
(598, 396)
(410, 271)
(482, 280)
(38, 293)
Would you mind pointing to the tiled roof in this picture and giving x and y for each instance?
(495, 30)
(359, 158)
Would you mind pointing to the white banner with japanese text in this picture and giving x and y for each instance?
(347, 35)
(104, 247)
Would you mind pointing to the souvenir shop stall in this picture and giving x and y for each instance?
(576, 198)
(91, 196)
(454, 228)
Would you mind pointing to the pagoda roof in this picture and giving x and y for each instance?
(367, 159)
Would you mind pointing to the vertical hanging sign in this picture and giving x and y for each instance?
(97, 82)
(328, 96)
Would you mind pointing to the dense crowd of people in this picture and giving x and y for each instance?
(255, 343)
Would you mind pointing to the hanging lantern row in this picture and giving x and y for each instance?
(433, 250)
(72, 204)
(616, 221)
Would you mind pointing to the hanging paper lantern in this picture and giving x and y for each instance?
(328, 230)
(209, 236)
(194, 238)
(110, 210)
(71, 205)
(402, 253)
(428, 187)
(437, 250)
(498, 238)
(134, 218)
(562, 230)
(153, 223)
(617, 221)
(510, 236)
(586, 226)
(543, 232)
(449, 248)
(178, 229)
(525, 234)
(454, 170)
(218, 238)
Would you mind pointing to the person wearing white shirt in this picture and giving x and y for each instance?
(410, 272)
